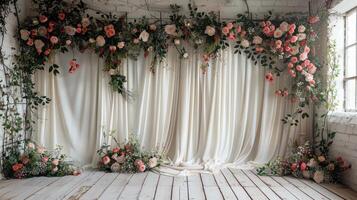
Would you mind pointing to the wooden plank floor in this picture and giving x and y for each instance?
(227, 184)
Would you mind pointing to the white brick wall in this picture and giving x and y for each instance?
(345, 143)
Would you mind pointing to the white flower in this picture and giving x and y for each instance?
(185, 55)
(170, 29)
(31, 145)
(152, 162)
(306, 174)
(198, 41)
(245, 43)
(115, 167)
(144, 36)
(150, 49)
(100, 41)
(120, 159)
(257, 40)
(301, 28)
(42, 30)
(278, 33)
(284, 26)
(318, 176)
(85, 22)
(55, 169)
(121, 45)
(295, 50)
(152, 27)
(177, 41)
(312, 163)
(91, 40)
(309, 77)
(210, 30)
(112, 72)
(24, 34)
(39, 44)
(301, 36)
(70, 30)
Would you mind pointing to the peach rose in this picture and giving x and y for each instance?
(100, 41)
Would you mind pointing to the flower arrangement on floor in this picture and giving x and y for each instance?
(303, 163)
(35, 160)
(127, 158)
(61, 26)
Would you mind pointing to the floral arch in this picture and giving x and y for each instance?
(62, 26)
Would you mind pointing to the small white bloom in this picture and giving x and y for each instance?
(24, 34)
(284, 26)
(100, 41)
(278, 33)
(121, 45)
(115, 167)
(144, 36)
(301, 28)
(318, 176)
(257, 40)
(301, 36)
(245, 43)
(152, 162)
(177, 41)
(85, 22)
(170, 29)
(210, 30)
(185, 55)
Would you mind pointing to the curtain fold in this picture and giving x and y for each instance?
(229, 114)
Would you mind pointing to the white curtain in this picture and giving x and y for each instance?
(227, 115)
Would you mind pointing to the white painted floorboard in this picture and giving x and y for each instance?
(230, 184)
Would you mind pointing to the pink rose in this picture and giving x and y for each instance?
(278, 93)
(141, 168)
(278, 43)
(230, 25)
(303, 56)
(294, 167)
(266, 30)
(293, 39)
(116, 150)
(299, 68)
(259, 49)
(284, 26)
(301, 28)
(278, 33)
(285, 93)
(42, 18)
(44, 159)
(293, 59)
(138, 162)
(238, 29)
(112, 48)
(54, 39)
(269, 77)
(231, 36)
(106, 160)
(170, 29)
(55, 162)
(225, 30)
(303, 166)
(257, 40)
(292, 73)
(61, 16)
(306, 49)
(314, 19)
(290, 65)
(68, 42)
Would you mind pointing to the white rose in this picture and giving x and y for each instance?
(312, 162)
(39, 44)
(70, 30)
(210, 31)
(185, 55)
(177, 41)
(85, 22)
(278, 33)
(306, 174)
(91, 40)
(295, 50)
(152, 27)
(284, 26)
(121, 45)
(100, 41)
(152, 162)
(301, 28)
(112, 72)
(245, 43)
(24, 34)
(31, 145)
(115, 167)
(257, 40)
(170, 29)
(309, 77)
(144, 36)
(318, 176)
(301, 36)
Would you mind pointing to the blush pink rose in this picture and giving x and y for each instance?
(106, 160)
(141, 168)
(225, 30)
